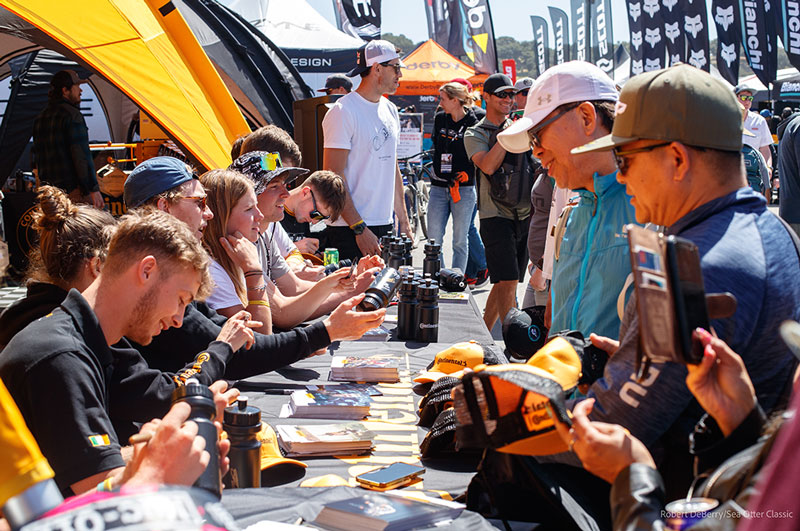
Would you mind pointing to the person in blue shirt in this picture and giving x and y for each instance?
(569, 105)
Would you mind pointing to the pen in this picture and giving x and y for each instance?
(140, 437)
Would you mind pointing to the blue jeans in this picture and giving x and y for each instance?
(477, 254)
(440, 206)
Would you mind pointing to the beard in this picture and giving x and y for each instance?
(142, 318)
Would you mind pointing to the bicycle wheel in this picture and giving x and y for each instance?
(410, 196)
(423, 195)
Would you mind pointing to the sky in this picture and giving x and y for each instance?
(510, 17)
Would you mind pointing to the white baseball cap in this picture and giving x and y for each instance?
(570, 82)
(374, 52)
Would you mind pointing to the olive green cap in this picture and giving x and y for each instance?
(680, 104)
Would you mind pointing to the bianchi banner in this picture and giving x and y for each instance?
(672, 13)
(726, 18)
(790, 32)
(635, 23)
(761, 55)
(695, 26)
(580, 32)
(561, 34)
(359, 18)
(540, 44)
(602, 36)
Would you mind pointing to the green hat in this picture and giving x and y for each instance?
(681, 104)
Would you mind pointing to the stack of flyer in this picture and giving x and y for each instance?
(331, 402)
(386, 512)
(325, 439)
(371, 369)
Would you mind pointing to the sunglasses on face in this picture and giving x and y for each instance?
(271, 161)
(315, 214)
(622, 162)
(395, 66)
(746, 98)
(533, 134)
(201, 200)
(524, 92)
(504, 95)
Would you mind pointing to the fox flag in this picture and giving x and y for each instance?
(761, 54)
(695, 26)
(635, 23)
(653, 40)
(561, 33)
(726, 18)
(580, 33)
(602, 36)
(790, 30)
(359, 18)
(540, 44)
(672, 13)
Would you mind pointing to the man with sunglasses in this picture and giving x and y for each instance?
(521, 89)
(503, 217)
(360, 132)
(756, 124)
(320, 197)
(569, 105)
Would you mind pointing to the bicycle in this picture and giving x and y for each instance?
(416, 171)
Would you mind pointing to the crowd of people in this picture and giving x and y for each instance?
(205, 277)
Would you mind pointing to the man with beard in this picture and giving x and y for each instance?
(61, 142)
(66, 378)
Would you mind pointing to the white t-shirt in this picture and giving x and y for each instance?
(224, 294)
(756, 124)
(369, 130)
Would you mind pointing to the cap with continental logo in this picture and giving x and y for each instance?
(570, 82)
(374, 52)
(679, 104)
(456, 358)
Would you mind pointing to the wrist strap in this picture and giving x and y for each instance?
(258, 302)
(357, 223)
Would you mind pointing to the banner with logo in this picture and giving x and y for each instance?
(695, 27)
(444, 29)
(753, 24)
(561, 34)
(541, 44)
(636, 25)
(602, 36)
(464, 29)
(790, 31)
(359, 18)
(653, 40)
(726, 17)
(672, 13)
(510, 68)
(580, 33)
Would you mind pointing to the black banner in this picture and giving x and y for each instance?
(359, 18)
(580, 33)
(636, 25)
(478, 23)
(540, 44)
(672, 12)
(790, 32)
(602, 36)
(753, 15)
(561, 33)
(726, 18)
(654, 43)
(438, 14)
(695, 27)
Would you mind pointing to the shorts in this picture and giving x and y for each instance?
(506, 243)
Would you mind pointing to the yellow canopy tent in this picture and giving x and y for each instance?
(145, 48)
(429, 67)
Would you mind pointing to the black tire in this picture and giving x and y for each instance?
(411, 209)
(424, 194)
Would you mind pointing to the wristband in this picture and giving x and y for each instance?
(105, 485)
(253, 273)
(258, 302)
(359, 228)
(262, 287)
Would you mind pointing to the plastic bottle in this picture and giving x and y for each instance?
(431, 264)
(381, 291)
(242, 423)
(427, 312)
(407, 309)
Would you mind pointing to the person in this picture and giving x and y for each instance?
(789, 173)
(569, 105)
(154, 268)
(755, 166)
(320, 197)
(521, 89)
(61, 142)
(453, 180)
(755, 123)
(170, 185)
(503, 227)
(537, 292)
(360, 144)
(290, 309)
(337, 84)
(685, 173)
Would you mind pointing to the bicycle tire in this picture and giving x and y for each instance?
(424, 194)
(410, 197)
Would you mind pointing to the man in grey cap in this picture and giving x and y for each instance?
(337, 84)
(521, 88)
(61, 142)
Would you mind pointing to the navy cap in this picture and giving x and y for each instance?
(335, 81)
(262, 167)
(154, 176)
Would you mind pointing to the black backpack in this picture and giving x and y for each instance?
(510, 185)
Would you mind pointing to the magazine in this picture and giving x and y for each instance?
(371, 369)
(324, 439)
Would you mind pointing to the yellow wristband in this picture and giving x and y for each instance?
(259, 302)
(357, 223)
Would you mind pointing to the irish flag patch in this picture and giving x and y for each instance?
(99, 440)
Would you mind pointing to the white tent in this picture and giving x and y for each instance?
(315, 46)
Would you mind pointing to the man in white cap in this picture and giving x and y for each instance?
(569, 105)
(360, 132)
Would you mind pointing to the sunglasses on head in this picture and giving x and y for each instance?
(271, 161)
(315, 214)
(622, 162)
(506, 94)
(745, 98)
(395, 66)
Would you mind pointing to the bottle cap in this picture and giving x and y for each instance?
(242, 414)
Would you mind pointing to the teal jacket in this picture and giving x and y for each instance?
(593, 261)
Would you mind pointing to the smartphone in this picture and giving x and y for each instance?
(688, 294)
(390, 477)
(352, 269)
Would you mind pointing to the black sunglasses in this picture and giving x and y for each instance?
(396, 67)
(622, 163)
(533, 134)
(506, 94)
(524, 92)
(315, 214)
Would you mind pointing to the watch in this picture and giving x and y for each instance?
(359, 227)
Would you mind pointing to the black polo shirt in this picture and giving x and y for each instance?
(57, 370)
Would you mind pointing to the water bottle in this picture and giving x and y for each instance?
(242, 424)
(408, 246)
(381, 291)
(201, 399)
(386, 242)
(396, 254)
(407, 309)
(427, 312)
(452, 280)
(432, 264)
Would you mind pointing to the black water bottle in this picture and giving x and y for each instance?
(381, 291)
(242, 423)
(452, 280)
(201, 399)
(427, 312)
(386, 242)
(408, 246)
(407, 309)
(431, 264)
(396, 252)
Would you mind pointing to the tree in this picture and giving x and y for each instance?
(401, 41)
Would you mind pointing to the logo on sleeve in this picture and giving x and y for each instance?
(99, 440)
